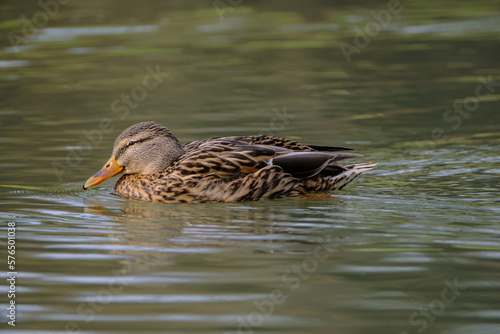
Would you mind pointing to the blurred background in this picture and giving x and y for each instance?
(367, 71)
(413, 85)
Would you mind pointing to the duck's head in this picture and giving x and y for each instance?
(143, 148)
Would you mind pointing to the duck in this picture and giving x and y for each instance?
(156, 167)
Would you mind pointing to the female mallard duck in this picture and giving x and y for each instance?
(158, 168)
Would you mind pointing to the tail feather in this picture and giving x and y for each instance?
(361, 166)
(351, 173)
(335, 177)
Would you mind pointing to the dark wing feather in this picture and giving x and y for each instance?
(307, 164)
(275, 141)
(329, 148)
(290, 144)
(266, 141)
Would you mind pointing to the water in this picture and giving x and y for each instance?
(410, 247)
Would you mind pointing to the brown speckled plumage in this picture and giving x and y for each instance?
(229, 169)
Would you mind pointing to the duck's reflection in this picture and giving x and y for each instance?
(154, 235)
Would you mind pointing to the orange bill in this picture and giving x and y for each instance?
(110, 169)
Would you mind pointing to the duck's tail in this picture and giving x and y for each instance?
(352, 171)
(334, 177)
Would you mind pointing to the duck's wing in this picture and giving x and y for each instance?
(308, 164)
(289, 144)
(230, 157)
(227, 158)
(263, 140)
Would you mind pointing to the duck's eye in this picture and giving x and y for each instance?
(132, 142)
